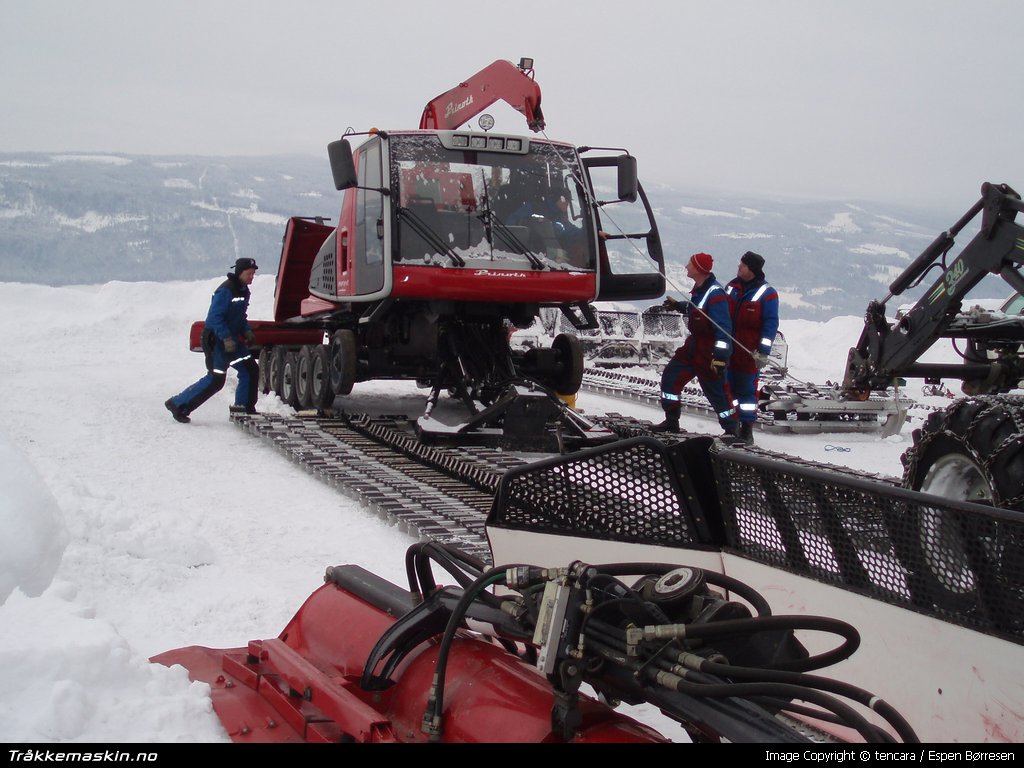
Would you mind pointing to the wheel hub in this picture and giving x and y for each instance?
(960, 478)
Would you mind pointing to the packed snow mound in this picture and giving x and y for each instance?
(89, 691)
(34, 532)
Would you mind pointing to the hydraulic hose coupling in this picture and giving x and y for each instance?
(637, 635)
(522, 576)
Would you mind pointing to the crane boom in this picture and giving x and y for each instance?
(501, 80)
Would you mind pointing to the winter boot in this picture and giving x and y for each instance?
(745, 433)
(176, 412)
(670, 424)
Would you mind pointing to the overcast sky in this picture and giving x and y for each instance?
(919, 100)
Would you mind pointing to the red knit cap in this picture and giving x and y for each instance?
(702, 262)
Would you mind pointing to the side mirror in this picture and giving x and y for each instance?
(343, 167)
(627, 178)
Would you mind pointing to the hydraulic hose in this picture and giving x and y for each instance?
(421, 578)
(710, 684)
(432, 723)
(730, 627)
(759, 604)
(613, 639)
(613, 604)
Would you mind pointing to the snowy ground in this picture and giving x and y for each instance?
(128, 534)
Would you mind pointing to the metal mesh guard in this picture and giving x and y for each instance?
(959, 562)
(625, 492)
(955, 561)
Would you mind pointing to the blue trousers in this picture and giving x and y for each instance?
(744, 392)
(217, 362)
(678, 374)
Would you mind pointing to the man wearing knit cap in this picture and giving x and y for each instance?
(226, 339)
(705, 353)
(755, 320)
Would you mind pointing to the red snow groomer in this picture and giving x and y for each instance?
(449, 239)
(527, 654)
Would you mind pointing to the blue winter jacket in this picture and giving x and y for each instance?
(709, 324)
(755, 317)
(228, 315)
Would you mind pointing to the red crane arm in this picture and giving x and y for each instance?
(500, 80)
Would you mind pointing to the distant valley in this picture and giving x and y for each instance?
(70, 219)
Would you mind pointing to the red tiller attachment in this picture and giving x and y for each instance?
(305, 685)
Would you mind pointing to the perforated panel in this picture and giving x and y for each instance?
(627, 493)
(667, 324)
(959, 562)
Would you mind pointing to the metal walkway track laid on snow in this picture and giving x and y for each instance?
(438, 494)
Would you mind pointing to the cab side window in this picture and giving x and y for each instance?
(369, 210)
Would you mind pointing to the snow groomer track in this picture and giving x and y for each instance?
(428, 492)
(788, 405)
(440, 492)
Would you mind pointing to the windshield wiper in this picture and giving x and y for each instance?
(504, 233)
(423, 229)
(492, 224)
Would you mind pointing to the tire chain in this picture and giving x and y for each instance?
(1015, 407)
(1014, 404)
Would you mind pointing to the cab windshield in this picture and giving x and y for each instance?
(485, 209)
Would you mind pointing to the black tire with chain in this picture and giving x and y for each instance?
(343, 361)
(303, 377)
(289, 376)
(321, 394)
(984, 436)
(264, 363)
(987, 431)
(277, 360)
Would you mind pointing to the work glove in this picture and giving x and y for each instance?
(760, 359)
(678, 305)
(718, 368)
(250, 338)
(230, 345)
